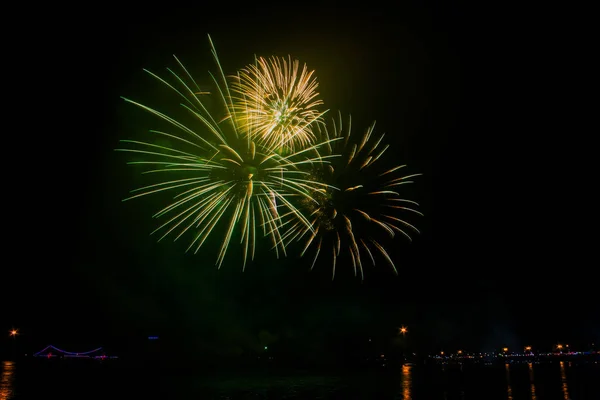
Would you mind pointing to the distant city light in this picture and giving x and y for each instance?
(14, 332)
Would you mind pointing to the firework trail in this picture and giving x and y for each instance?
(359, 204)
(224, 171)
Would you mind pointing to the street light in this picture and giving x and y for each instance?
(403, 330)
(13, 333)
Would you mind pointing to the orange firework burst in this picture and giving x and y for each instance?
(358, 204)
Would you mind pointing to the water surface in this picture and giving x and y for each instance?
(114, 380)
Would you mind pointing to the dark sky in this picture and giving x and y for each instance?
(460, 92)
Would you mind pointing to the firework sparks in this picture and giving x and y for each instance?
(277, 103)
(221, 177)
(361, 204)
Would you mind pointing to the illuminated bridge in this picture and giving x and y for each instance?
(54, 352)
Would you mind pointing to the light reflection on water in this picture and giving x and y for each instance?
(406, 382)
(509, 394)
(7, 380)
(563, 379)
(531, 382)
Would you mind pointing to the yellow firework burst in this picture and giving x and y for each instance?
(359, 205)
(277, 102)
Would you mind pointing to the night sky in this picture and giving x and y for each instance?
(503, 257)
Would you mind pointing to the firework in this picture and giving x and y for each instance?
(359, 205)
(222, 174)
(277, 103)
